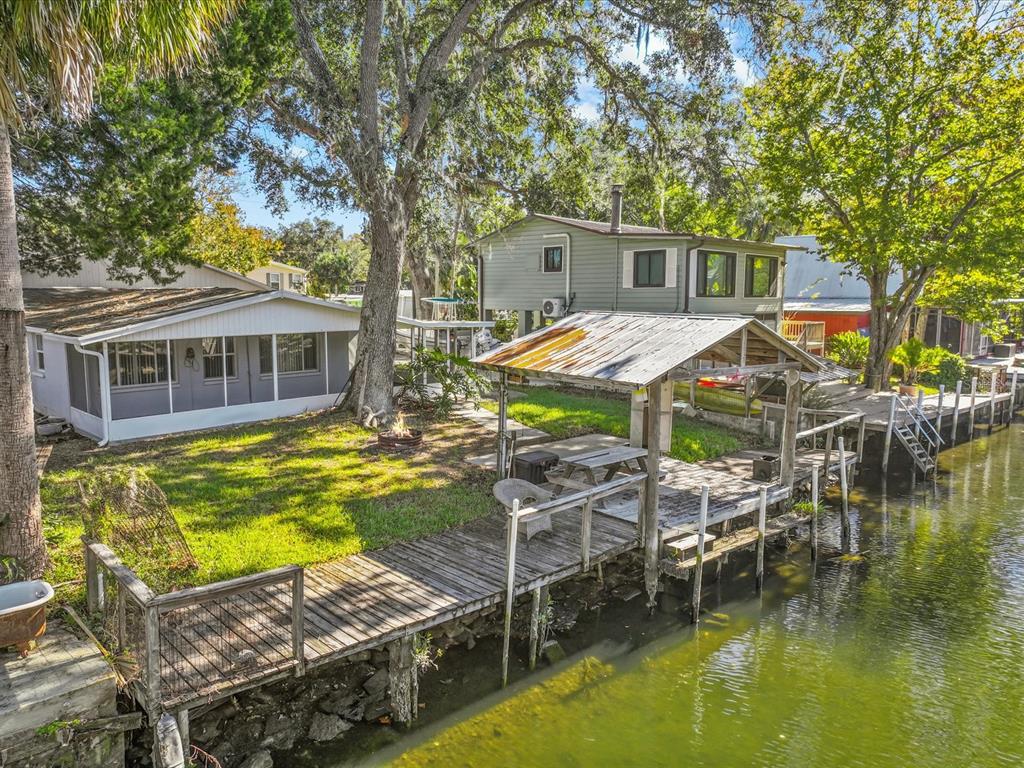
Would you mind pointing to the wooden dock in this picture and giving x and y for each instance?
(203, 644)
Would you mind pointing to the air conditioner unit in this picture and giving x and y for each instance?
(553, 307)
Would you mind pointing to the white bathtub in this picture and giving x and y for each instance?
(24, 596)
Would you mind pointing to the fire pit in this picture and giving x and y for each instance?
(400, 437)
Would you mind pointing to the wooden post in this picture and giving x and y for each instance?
(938, 417)
(956, 412)
(585, 523)
(93, 581)
(1013, 394)
(122, 618)
(502, 458)
(844, 490)
(814, 512)
(789, 427)
(650, 510)
(510, 583)
(861, 434)
(400, 673)
(698, 569)
(540, 599)
(693, 393)
(152, 659)
(762, 514)
(919, 414)
(181, 717)
(974, 397)
(829, 437)
(298, 621)
(888, 434)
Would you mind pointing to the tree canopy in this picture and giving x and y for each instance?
(894, 131)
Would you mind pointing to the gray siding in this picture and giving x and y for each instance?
(514, 279)
(191, 391)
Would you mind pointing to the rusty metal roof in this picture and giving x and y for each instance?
(630, 348)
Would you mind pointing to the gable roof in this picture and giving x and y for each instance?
(634, 349)
(97, 314)
(603, 228)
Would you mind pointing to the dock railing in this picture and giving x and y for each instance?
(227, 635)
(583, 500)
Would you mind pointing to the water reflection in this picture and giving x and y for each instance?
(908, 653)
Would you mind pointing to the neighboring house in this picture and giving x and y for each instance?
(277, 275)
(819, 291)
(547, 266)
(125, 362)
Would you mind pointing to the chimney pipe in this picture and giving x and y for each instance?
(616, 223)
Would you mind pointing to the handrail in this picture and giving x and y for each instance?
(921, 421)
(830, 425)
(136, 588)
(199, 595)
(580, 497)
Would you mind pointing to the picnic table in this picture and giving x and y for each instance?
(625, 458)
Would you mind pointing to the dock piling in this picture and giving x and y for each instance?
(510, 582)
(845, 491)
(762, 514)
(888, 436)
(938, 417)
(974, 405)
(1013, 394)
(540, 600)
(814, 512)
(956, 412)
(698, 569)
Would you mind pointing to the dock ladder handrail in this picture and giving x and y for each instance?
(922, 424)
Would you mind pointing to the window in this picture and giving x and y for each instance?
(214, 358)
(40, 355)
(274, 280)
(553, 258)
(716, 273)
(649, 269)
(296, 353)
(135, 363)
(762, 272)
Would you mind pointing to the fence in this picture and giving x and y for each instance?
(200, 642)
(809, 335)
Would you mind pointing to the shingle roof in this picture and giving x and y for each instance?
(633, 349)
(79, 312)
(604, 228)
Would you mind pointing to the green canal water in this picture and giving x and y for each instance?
(909, 652)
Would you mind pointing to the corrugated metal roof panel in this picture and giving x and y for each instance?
(632, 349)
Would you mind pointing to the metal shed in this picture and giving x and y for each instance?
(629, 351)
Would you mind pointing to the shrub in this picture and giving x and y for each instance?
(951, 369)
(453, 375)
(915, 359)
(849, 349)
(506, 324)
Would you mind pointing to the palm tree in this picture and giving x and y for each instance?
(52, 54)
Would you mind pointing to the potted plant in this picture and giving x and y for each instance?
(914, 358)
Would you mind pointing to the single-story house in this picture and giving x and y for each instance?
(121, 363)
(277, 274)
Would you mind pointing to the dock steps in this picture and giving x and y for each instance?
(731, 542)
(922, 458)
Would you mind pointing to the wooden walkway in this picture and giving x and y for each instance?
(366, 600)
(876, 405)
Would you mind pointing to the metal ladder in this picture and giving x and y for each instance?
(918, 436)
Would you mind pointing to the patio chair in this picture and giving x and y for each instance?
(507, 491)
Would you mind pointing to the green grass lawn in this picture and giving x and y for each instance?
(302, 490)
(565, 414)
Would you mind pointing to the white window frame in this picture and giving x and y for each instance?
(544, 260)
(38, 354)
(272, 278)
(282, 342)
(222, 356)
(160, 351)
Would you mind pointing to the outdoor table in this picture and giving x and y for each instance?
(625, 458)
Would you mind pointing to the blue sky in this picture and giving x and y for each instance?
(254, 206)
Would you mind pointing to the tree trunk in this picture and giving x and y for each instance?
(876, 374)
(422, 283)
(374, 369)
(21, 526)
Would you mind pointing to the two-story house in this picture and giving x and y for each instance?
(547, 266)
